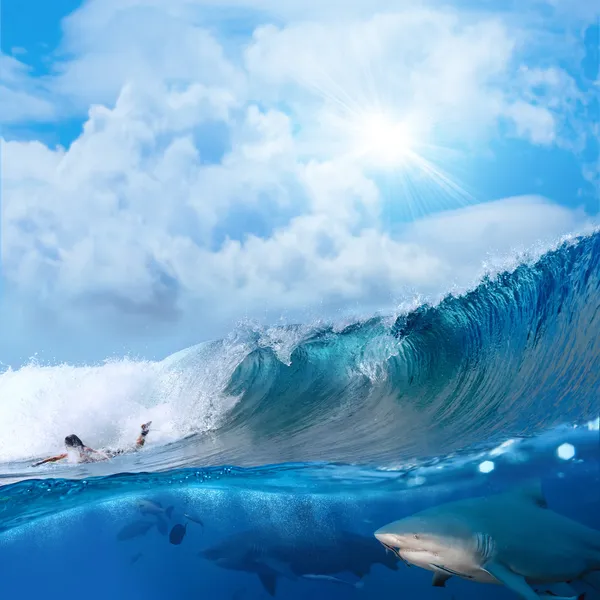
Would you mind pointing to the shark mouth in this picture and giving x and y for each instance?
(395, 551)
(451, 572)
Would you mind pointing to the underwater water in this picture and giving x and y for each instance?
(297, 443)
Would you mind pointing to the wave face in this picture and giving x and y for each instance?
(517, 355)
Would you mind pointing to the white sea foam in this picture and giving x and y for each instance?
(106, 404)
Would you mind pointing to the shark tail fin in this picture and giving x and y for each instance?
(169, 511)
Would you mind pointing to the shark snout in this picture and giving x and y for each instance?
(387, 539)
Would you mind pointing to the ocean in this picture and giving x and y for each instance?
(297, 443)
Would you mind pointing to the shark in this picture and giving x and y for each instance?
(511, 539)
(271, 554)
(153, 508)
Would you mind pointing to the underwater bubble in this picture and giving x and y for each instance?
(487, 466)
(566, 451)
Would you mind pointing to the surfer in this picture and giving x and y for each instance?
(84, 454)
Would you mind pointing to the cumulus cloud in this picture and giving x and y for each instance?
(21, 96)
(215, 180)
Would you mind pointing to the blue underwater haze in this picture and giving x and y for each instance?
(302, 441)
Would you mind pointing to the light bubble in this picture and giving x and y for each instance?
(566, 451)
(487, 466)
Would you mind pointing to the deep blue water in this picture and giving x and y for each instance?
(305, 435)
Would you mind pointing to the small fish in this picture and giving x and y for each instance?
(135, 529)
(135, 558)
(194, 520)
(358, 584)
(177, 534)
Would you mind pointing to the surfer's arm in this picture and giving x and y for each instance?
(142, 437)
(50, 459)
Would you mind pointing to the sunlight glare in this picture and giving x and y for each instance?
(383, 140)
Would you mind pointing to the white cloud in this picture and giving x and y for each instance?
(21, 96)
(113, 224)
(533, 122)
(359, 66)
(140, 44)
(359, 54)
(546, 109)
(142, 219)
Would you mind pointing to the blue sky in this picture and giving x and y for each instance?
(170, 168)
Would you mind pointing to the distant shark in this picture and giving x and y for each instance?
(510, 539)
(153, 508)
(270, 555)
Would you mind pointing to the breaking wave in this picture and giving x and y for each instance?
(517, 355)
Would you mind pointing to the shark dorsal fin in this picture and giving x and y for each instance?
(532, 492)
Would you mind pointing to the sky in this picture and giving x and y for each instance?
(171, 169)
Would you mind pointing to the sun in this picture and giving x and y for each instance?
(382, 140)
(394, 149)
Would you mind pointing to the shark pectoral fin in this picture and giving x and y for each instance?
(559, 589)
(517, 583)
(277, 566)
(511, 580)
(439, 579)
(269, 581)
